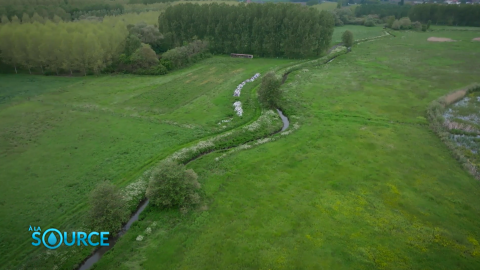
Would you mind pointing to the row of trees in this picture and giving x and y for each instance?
(67, 10)
(62, 47)
(464, 15)
(266, 30)
(383, 10)
(185, 55)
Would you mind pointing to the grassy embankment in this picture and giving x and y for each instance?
(363, 184)
(60, 136)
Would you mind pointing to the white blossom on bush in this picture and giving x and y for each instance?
(139, 238)
(238, 108)
(265, 119)
(238, 90)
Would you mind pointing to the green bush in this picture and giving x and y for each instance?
(171, 186)
(108, 208)
(347, 39)
(185, 55)
(396, 25)
(417, 26)
(389, 21)
(269, 93)
(405, 23)
(156, 70)
(369, 23)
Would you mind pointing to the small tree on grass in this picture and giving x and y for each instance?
(269, 93)
(171, 186)
(108, 208)
(347, 39)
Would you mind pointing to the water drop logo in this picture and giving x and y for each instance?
(52, 241)
(53, 238)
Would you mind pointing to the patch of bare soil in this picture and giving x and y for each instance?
(453, 97)
(476, 39)
(439, 39)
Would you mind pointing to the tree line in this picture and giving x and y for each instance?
(265, 30)
(65, 9)
(464, 15)
(61, 47)
(90, 47)
(383, 10)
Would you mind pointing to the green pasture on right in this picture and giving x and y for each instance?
(363, 184)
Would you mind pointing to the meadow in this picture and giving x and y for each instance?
(364, 183)
(60, 136)
(359, 32)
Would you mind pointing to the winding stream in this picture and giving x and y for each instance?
(99, 252)
(102, 250)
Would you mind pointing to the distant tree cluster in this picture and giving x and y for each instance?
(383, 10)
(346, 16)
(266, 30)
(465, 15)
(65, 9)
(185, 55)
(61, 47)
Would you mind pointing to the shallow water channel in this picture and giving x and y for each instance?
(95, 257)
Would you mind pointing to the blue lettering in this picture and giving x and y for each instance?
(37, 229)
(30, 229)
(81, 238)
(36, 238)
(102, 238)
(90, 239)
(73, 239)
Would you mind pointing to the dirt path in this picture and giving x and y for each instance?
(439, 39)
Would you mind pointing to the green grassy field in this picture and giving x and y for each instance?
(363, 184)
(359, 32)
(60, 136)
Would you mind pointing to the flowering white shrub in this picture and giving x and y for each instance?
(338, 49)
(265, 119)
(148, 230)
(262, 141)
(238, 108)
(225, 121)
(139, 238)
(238, 90)
(135, 189)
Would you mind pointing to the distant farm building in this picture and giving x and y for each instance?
(241, 55)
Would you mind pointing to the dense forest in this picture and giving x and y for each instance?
(114, 44)
(265, 30)
(383, 10)
(64, 9)
(66, 46)
(463, 15)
